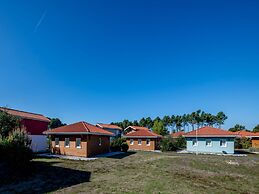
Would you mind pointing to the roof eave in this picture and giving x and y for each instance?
(75, 133)
(154, 137)
(210, 135)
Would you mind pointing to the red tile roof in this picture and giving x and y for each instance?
(244, 133)
(177, 134)
(142, 133)
(25, 115)
(137, 128)
(108, 126)
(210, 132)
(79, 128)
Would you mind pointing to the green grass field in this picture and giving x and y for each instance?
(142, 172)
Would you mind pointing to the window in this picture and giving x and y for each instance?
(139, 141)
(131, 142)
(148, 142)
(100, 141)
(67, 142)
(78, 142)
(56, 142)
(194, 142)
(208, 142)
(223, 143)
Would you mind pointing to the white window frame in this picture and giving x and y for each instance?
(67, 146)
(131, 141)
(148, 140)
(100, 141)
(195, 145)
(56, 140)
(223, 146)
(208, 145)
(80, 143)
(140, 140)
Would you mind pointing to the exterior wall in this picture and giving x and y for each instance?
(71, 150)
(255, 142)
(39, 143)
(89, 145)
(143, 146)
(93, 147)
(215, 148)
(35, 127)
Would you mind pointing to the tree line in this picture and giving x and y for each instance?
(239, 127)
(175, 123)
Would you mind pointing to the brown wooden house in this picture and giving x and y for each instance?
(141, 138)
(79, 139)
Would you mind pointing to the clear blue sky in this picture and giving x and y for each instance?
(104, 61)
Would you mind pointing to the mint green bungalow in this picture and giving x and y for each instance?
(210, 140)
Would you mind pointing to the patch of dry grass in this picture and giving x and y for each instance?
(147, 172)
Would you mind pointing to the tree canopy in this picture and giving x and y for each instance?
(159, 128)
(185, 122)
(55, 123)
(256, 128)
(237, 127)
(8, 123)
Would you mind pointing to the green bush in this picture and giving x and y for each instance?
(166, 144)
(180, 142)
(124, 147)
(117, 144)
(15, 150)
(172, 144)
(243, 143)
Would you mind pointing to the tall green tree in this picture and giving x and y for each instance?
(178, 122)
(55, 123)
(220, 118)
(256, 128)
(149, 122)
(8, 123)
(159, 128)
(237, 127)
(143, 122)
(166, 120)
(135, 123)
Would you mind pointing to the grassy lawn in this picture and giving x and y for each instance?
(143, 172)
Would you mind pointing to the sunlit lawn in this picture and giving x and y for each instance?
(143, 172)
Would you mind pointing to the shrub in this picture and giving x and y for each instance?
(170, 144)
(180, 142)
(116, 144)
(243, 143)
(124, 147)
(15, 150)
(166, 144)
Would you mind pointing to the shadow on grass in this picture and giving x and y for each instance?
(241, 151)
(43, 178)
(122, 155)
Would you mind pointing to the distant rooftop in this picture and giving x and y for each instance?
(210, 132)
(108, 126)
(25, 115)
(137, 128)
(81, 127)
(177, 134)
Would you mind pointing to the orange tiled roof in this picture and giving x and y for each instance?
(210, 132)
(108, 126)
(177, 134)
(25, 115)
(79, 128)
(244, 133)
(142, 133)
